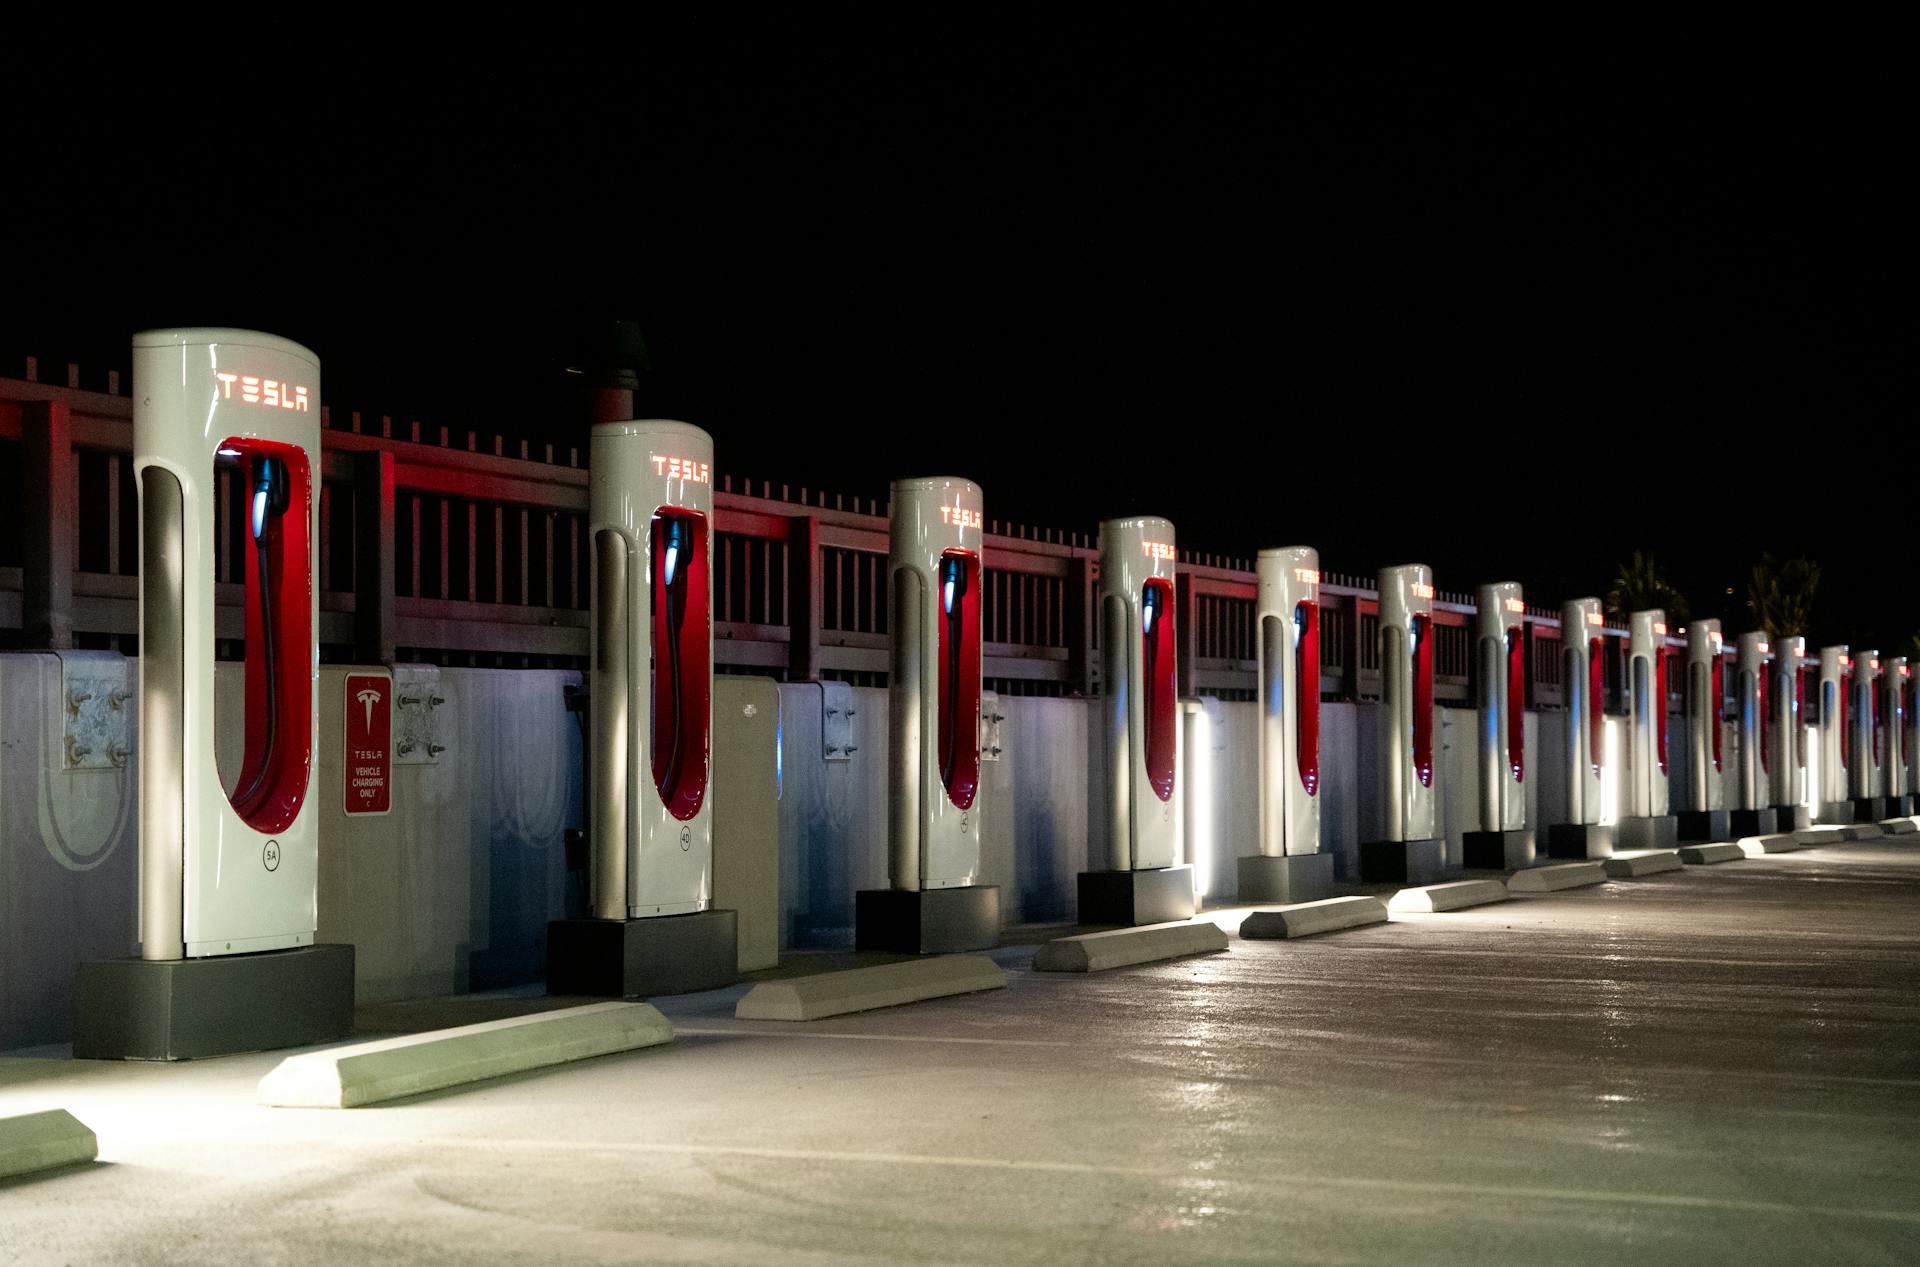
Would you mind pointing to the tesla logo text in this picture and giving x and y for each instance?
(1845, 661)
(1593, 618)
(682, 469)
(1763, 648)
(1307, 576)
(1515, 605)
(1660, 628)
(1421, 589)
(960, 517)
(264, 391)
(1156, 549)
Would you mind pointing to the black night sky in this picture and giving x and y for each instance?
(1512, 323)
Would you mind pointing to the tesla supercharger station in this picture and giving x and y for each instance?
(1290, 866)
(1834, 797)
(1648, 824)
(1786, 741)
(1411, 851)
(934, 902)
(1893, 743)
(1141, 881)
(654, 929)
(1582, 661)
(1504, 840)
(1865, 722)
(229, 870)
(1753, 816)
(1705, 817)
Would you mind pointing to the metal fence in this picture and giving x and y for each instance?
(458, 548)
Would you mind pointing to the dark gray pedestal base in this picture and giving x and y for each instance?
(1705, 825)
(1869, 809)
(188, 1009)
(1300, 877)
(1791, 818)
(1132, 898)
(1499, 850)
(1751, 822)
(1837, 813)
(1900, 806)
(1403, 861)
(1580, 840)
(1655, 831)
(643, 958)
(928, 922)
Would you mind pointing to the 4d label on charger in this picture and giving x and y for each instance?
(367, 771)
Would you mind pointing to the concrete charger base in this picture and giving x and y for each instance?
(1500, 850)
(1836, 813)
(1792, 818)
(1751, 822)
(1300, 877)
(927, 921)
(1163, 895)
(643, 958)
(1403, 861)
(1653, 831)
(1900, 806)
(1580, 840)
(1869, 809)
(1706, 824)
(190, 1009)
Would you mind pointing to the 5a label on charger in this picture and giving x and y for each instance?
(367, 765)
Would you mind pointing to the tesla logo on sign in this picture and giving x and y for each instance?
(367, 765)
(682, 469)
(255, 390)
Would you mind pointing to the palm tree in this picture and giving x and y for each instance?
(1781, 594)
(1640, 585)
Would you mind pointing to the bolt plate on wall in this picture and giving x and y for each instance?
(96, 696)
(990, 718)
(839, 739)
(420, 720)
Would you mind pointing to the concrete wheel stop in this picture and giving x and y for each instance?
(1626, 866)
(1780, 842)
(1900, 827)
(1434, 898)
(825, 994)
(413, 1064)
(1702, 855)
(1562, 875)
(33, 1142)
(1125, 947)
(1821, 836)
(1306, 919)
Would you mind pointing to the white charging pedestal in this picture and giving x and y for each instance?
(1504, 841)
(1290, 866)
(934, 902)
(1142, 881)
(654, 929)
(229, 868)
(1412, 850)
